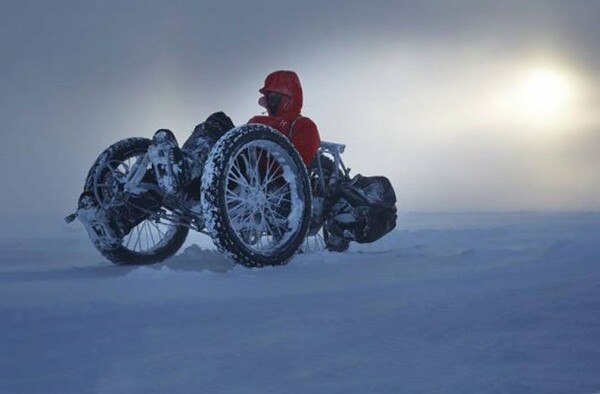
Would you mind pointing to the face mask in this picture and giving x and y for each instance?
(271, 101)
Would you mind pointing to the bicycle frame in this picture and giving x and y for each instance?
(335, 150)
(133, 184)
(181, 214)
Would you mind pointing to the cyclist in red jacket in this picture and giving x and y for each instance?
(176, 168)
(282, 97)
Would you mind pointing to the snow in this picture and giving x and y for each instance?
(447, 303)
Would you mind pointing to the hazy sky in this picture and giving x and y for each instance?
(464, 105)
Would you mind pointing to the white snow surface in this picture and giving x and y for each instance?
(447, 303)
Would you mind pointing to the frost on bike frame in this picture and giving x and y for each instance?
(120, 184)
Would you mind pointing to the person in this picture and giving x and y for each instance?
(282, 98)
(176, 168)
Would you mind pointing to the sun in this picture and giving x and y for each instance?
(545, 97)
(544, 92)
(537, 98)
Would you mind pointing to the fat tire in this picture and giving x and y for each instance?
(121, 255)
(213, 188)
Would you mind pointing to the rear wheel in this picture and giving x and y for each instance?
(143, 238)
(256, 196)
(319, 237)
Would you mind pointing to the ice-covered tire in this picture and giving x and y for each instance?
(169, 246)
(318, 227)
(155, 242)
(256, 196)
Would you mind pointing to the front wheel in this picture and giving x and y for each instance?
(256, 196)
(142, 239)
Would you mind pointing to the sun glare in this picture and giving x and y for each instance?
(539, 97)
(544, 92)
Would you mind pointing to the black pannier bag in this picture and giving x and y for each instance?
(364, 209)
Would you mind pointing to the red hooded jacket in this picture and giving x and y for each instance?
(300, 130)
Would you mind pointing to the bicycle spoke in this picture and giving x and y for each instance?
(137, 239)
(152, 236)
(238, 178)
(255, 194)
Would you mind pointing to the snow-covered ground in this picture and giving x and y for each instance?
(447, 303)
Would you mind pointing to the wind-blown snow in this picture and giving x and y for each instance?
(494, 303)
